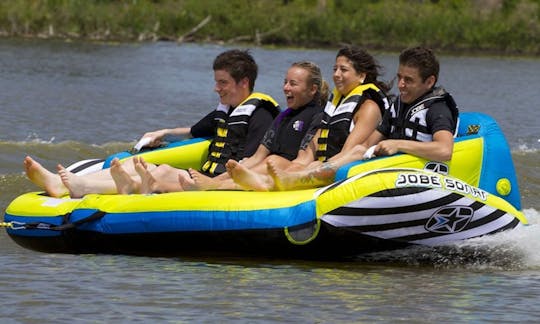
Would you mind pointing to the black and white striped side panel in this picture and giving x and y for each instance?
(420, 216)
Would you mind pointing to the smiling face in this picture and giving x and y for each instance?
(230, 92)
(297, 88)
(410, 83)
(345, 76)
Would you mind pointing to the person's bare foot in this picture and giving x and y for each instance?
(198, 181)
(301, 179)
(186, 182)
(44, 178)
(283, 180)
(148, 182)
(74, 184)
(275, 174)
(246, 178)
(123, 181)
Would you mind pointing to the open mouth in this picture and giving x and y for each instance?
(289, 97)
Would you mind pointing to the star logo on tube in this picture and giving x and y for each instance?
(451, 219)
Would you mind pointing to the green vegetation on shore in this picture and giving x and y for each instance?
(477, 26)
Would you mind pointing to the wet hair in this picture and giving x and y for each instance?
(315, 77)
(239, 64)
(363, 62)
(423, 59)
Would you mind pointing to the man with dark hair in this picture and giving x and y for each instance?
(423, 113)
(236, 127)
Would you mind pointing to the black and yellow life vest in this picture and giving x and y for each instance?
(338, 117)
(414, 125)
(231, 133)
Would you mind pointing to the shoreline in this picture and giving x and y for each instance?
(376, 49)
(476, 27)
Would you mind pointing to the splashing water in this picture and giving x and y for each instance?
(516, 249)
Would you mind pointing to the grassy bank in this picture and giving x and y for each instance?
(478, 26)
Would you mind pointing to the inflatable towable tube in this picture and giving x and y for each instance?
(379, 204)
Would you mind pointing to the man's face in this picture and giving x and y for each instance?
(230, 92)
(410, 84)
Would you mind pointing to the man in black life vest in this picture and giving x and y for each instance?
(236, 128)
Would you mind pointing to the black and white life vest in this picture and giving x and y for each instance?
(414, 125)
(338, 117)
(231, 134)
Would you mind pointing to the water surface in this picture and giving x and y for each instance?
(63, 102)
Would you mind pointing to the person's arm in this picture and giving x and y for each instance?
(307, 153)
(366, 119)
(203, 128)
(373, 139)
(356, 152)
(439, 149)
(258, 157)
(156, 137)
(265, 147)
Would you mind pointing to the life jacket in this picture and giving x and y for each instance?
(413, 125)
(289, 129)
(231, 133)
(338, 117)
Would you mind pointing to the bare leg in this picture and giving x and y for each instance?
(105, 174)
(79, 186)
(159, 180)
(148, 183)
(73, 183)
(187, 183)
(279, 162)
(247, 178)
(199, 181)
(44, 178)
(125, 184)
(323, 175)
(315, 174)
(257, 178)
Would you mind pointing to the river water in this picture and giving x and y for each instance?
(64, 102)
